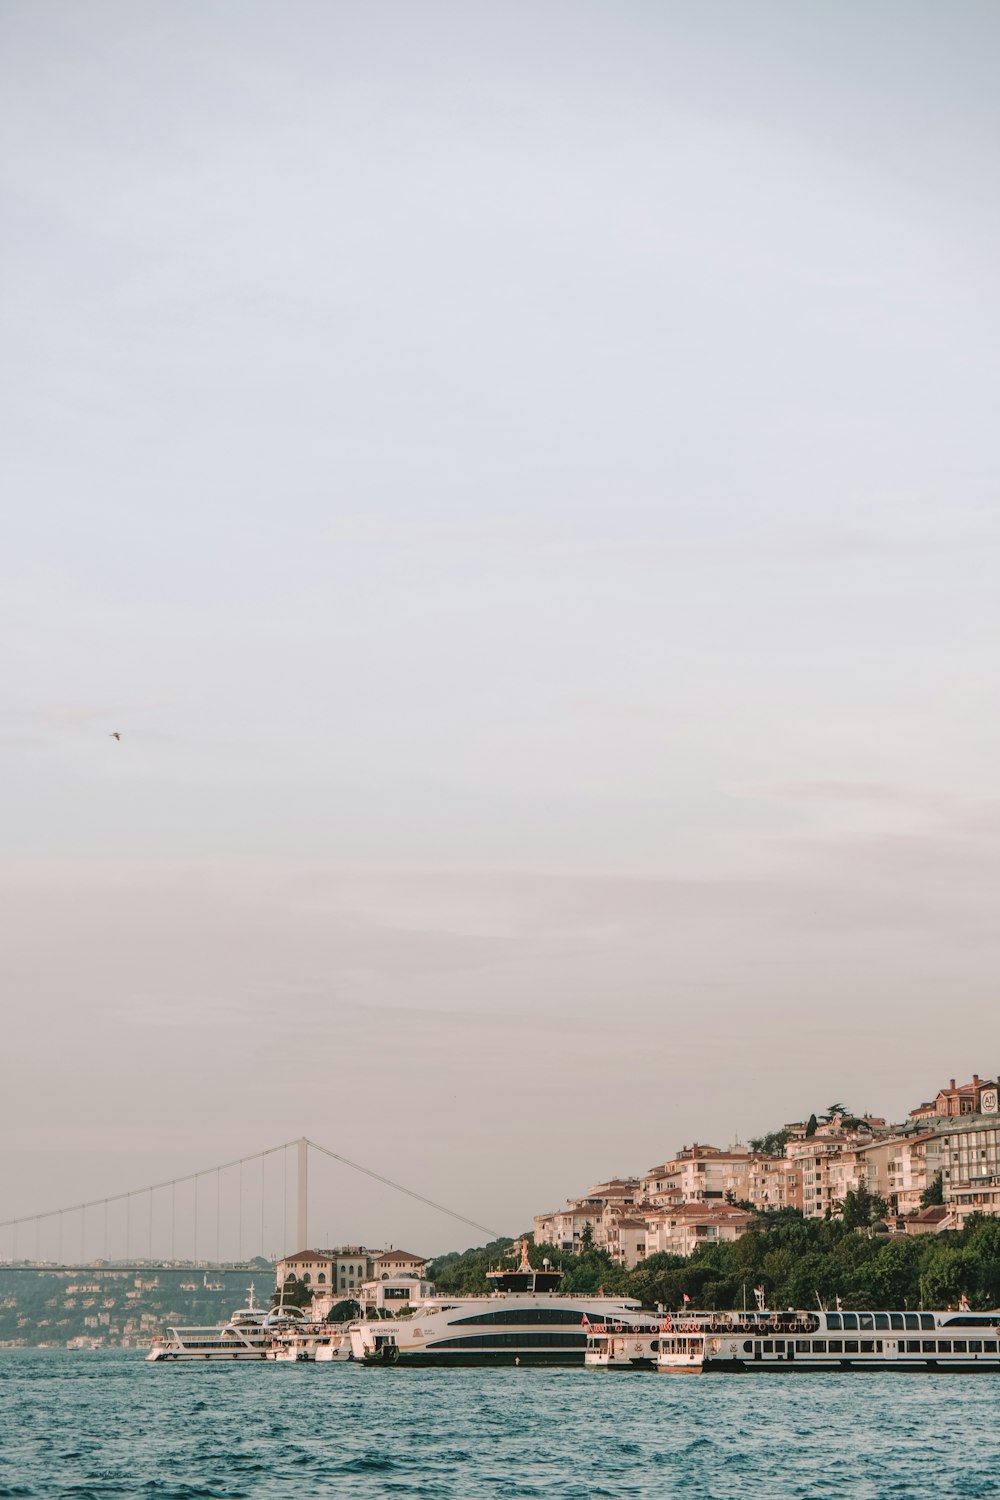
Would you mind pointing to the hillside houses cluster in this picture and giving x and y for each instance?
(706, 1195)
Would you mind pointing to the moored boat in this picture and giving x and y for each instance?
(524, 1320)
(248, 1335)
(957, 1340)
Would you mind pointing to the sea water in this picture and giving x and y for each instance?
(103, 1424)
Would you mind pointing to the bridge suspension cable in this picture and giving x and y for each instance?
(399, 1188)
(134, 1228)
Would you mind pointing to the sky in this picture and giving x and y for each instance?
(521, 479)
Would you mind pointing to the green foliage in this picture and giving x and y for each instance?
(771, 1144)
(795, 1259)
(812, 1125)
(933, 1195)
(862, 1207)
(463, 1273)
(345, 1311)
(294, 1293)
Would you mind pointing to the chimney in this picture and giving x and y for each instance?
(951, 1083)
(975, 1080)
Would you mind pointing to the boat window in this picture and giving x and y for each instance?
(850, 1346)
(944, 1346)
(768, 1346)
(912, 1320)
(833, 1320)
(975, 1346)
(881, 1320)
(836, 1346)
(523, 1316)
(989, 1346)
(866, 1320)
(977, 1320)
(513, 1341)
(779, 1346)
(896, 1319)
(929, 1346)
(959, 1346)
(927, 1320)
(819, 1346)
(867, 1346)
(850, 1320)
(748, 1346)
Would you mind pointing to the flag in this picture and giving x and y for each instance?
(585, 1320)
(686, 1297)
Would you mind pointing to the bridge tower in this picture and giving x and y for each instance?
(302, 1225)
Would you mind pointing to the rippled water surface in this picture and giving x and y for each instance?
(107, 1424)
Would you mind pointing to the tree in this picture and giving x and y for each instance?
(345, 1311)
(832, 1110)
(933, 1195)
(293, 1293)
(862, 1207)
(771, 1144)
(812, 1125)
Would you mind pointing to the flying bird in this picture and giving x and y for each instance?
(114, 735)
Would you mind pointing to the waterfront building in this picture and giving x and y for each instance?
(313, 1267)
(390, 1263)
(343, 1271)
(394, 1294)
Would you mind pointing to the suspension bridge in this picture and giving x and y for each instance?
(221, 1218)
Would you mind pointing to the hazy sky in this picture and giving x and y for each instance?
(522, 479)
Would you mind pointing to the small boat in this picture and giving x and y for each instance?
(618, 1345)
(336, 1347)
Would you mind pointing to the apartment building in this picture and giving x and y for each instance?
(699, 1174)
(773, 1182)
(583, 1218)
(681, 1228)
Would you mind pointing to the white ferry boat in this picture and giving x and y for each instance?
(301, 1343)
(960, 1341)
(524, 1320)
(247, 1335)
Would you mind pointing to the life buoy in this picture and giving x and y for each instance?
(636, 1327)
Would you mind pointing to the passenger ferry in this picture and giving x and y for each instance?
(247, 1335)
(524, 1320)
(960, 1341)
